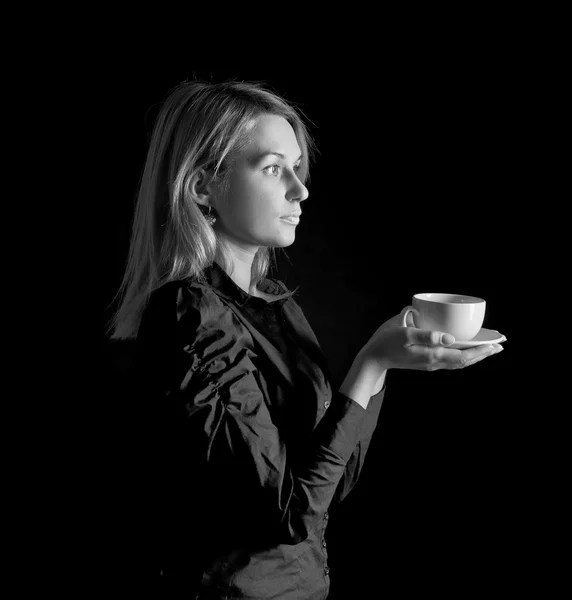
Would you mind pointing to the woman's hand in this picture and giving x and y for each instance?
(393, 346)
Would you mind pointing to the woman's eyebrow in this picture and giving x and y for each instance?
(258, 157)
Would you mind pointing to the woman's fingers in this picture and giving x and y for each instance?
(427, 337)
(436, 358)
(470, 356)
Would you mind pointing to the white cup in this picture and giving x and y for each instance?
(461, 316)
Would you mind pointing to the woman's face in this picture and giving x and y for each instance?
(263, 189)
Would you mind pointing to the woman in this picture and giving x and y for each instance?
(252, 444)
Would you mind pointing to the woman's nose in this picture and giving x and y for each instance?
(298, 191)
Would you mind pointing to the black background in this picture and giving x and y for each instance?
(413, 191)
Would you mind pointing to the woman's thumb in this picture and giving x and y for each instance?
(447, 339)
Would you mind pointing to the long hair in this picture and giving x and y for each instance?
(200, 125)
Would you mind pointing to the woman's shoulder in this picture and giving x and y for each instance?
(181, 305)
(182, 295)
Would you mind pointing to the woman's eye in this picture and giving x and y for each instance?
(271, 167)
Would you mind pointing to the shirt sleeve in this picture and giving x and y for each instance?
(236, 454)
(355, 464)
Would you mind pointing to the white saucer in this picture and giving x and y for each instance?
(485, 336)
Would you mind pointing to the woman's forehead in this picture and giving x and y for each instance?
(271, 134)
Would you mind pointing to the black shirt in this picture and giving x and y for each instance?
(252, 445)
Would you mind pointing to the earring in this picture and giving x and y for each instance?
(211, 219)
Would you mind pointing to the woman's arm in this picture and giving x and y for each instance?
(380, 383)
(361, 381)
(364, 380)
(355, 464)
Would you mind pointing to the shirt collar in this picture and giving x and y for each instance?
(223, 283)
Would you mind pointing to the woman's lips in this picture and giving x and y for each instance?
(291, 220)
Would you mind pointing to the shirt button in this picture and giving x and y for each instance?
(323, 543)
(327, 404)
(326, 570)
(326, 515)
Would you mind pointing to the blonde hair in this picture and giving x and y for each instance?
(200, 125)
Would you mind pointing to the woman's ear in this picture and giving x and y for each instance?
(201, 187)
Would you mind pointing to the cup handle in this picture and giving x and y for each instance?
(405, 312)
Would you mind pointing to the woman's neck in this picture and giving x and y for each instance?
(242, 269)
